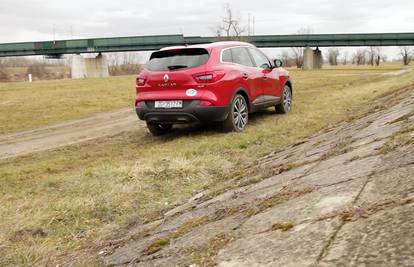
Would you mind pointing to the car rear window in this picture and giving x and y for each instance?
(177, 59)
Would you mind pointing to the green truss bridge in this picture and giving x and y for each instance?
(148, 43)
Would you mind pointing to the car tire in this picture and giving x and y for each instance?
(158, 129)
(285, 104)
(238, 116)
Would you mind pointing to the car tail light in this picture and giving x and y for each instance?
(209, 77)
(205, 103)
(140, 81)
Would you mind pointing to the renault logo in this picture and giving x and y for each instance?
(166, 78)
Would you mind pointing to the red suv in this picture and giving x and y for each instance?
(217, 82)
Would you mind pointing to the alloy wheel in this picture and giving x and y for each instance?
(240, 113)
(287, 99)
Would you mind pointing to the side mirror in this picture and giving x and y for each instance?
(266, 66)
(278, 63)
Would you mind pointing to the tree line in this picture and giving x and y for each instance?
(41, 68)
(230, 27)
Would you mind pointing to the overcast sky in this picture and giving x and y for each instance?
(30, 20)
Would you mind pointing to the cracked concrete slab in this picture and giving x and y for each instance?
(328, 201)
(210, 230)
(394, 184)
(299, 246)
(127, 254)
(332, 171)
(384, 239)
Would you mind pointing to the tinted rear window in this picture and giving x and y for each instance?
(177, 59)
(241, 56)
(227, 56)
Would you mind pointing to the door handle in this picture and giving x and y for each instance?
(245, 76)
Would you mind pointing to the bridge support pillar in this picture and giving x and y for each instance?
(312, 59)
(89, 67)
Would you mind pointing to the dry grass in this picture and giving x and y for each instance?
(401, 138)
(283, 226)
(19, 74)
(202, 255)
(157, 245)
(78, 195)
(28, 105)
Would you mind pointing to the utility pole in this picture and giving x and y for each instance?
(253, 25)
(248, 24)
(54, 33)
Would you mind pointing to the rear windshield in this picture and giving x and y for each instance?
(177, 59)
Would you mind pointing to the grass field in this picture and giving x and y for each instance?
(29, 105)
(59, 203)
(25, 105)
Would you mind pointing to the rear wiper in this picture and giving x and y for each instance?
(174, 67)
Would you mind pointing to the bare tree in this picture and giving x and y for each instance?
(374, 55)
(286, 59)
(38, 71)
(345, 58)
(378, 55)
(407, 54)
(333, 54)
(123, 63)
(371, 55)
(3, 74)
(298, 51)
(298, 56)
(359, 57)
(40, 67)
(230, 26)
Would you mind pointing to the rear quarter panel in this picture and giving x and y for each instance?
(283, 76)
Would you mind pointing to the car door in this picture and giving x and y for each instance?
(270, 76)
(251, 78)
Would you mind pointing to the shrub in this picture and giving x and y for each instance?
(124, 69)
(37, 70)
(3, 76)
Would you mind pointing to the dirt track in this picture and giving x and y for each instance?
(68, 133)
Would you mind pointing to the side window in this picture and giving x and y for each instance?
(227, 57)
(260, 59)
(241, 56)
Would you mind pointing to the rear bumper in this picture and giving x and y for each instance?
(191, 112)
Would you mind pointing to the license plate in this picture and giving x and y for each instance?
(169, 104)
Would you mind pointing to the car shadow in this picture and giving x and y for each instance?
(198, 129)
(257, 116)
